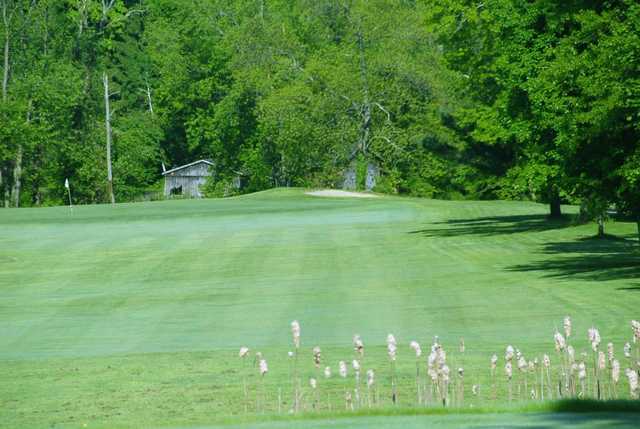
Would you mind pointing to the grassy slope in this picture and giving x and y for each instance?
(134, 313)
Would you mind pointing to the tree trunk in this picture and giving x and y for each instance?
(17, 170)
(45, 38)
(5, 74)
(600, 226)
(365, 128)
(555, 211)
(6, 17)
(107, 124)
(17, 175)
(149, 101)
(7, 195)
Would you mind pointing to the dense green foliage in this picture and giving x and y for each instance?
(534, 100)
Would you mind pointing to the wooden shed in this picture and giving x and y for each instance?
(187, 179)
(350, 180)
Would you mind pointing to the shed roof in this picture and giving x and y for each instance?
(173, 170)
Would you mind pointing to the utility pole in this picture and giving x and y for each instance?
(107, 124)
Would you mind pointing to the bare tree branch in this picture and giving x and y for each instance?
(389, 141)
(296, 65)
(379, 106)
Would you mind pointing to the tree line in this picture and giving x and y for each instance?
(536, 100)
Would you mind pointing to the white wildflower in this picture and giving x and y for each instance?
(632, 375)
(391, 349)
(567, 326)
(358, 345)
(244, 352)
(509, 353)
(356, 365)
(573, 368)
(445, 373)
(582, 371)
(416, 348)
(431, 359)
(615, 371)
(610, 351)
(571, 354)
(602, 361)
(263, 367)
(560, 342)
(635, 325)
(370, 378)
(594, 338)
(433, 374)
(317, 354)
(522, 363)
(342, 369)
(295, 331)
(391, 339)
(441, 356)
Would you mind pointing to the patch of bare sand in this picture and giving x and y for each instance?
(340, 194)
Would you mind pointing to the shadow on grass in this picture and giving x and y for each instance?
(591, 413)
(594, 406)
(495, 225)
(590, 259)
(543, 415)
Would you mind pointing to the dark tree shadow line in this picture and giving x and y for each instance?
(590, 258)
(579, 413)
(587, 258)
(494, 225)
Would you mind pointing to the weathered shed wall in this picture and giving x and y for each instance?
(373, 172)
(191, 179)
(350, 179)
(349, 183)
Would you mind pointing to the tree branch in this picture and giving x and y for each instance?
(389, 141)
(379, 106)
(296, 65)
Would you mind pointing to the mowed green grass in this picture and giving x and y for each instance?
(132, 315)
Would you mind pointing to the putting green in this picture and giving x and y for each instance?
(132, 314)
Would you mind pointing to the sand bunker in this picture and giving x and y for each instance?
(340, 194)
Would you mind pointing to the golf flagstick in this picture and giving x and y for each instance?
(66, 185)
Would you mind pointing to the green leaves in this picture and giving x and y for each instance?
(450, 99)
